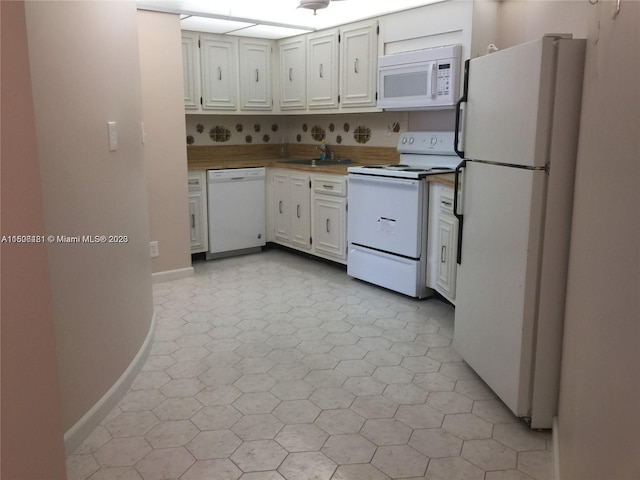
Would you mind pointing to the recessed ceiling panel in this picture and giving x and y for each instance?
(212, 25)
(266, 31)
(275, 13)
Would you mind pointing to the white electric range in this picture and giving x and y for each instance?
(388, 213)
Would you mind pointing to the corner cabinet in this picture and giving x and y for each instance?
(291, 208)
(308, 212)
(198, 224)
(358, 65)
(443, 241)
(255, 74)
(191, 70)
(226, 74)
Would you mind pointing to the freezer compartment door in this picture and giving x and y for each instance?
(497, 280)
(387, 214)
(509, 104)
(400, 274)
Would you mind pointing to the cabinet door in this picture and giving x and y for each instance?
(198, 229)
(255, 74)
(293, 76)
(219, 72)
(358, 65)
(300, 211)
(281, 213)
(447, 233)
(329, 232)
(191, 70)
(322, 70)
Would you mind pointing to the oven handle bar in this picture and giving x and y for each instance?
(458, 215)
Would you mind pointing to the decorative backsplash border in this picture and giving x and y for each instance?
(376, 129)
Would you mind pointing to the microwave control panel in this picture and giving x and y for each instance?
(444, 79)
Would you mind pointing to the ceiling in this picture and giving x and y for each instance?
(272, 18)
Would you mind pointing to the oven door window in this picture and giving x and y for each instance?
(386, 214)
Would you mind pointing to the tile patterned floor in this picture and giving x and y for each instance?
(273, 366)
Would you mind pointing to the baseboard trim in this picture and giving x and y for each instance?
(170, 275)
(90, 420)
(556, 449)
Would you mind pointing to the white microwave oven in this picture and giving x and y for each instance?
(420, 79)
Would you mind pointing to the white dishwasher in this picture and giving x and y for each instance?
(237, 213)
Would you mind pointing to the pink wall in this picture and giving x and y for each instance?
(31, 427)
(85, 72)
(599, 434)
(164, 149)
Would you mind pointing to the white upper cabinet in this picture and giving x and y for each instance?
(191, 70)
(255, 74)
(218, 61)
(322, 70)
(358, 65)
(293, 74)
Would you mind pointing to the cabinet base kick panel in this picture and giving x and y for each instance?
(400, 274)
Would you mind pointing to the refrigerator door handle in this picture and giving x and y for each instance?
(459, 216)
(463, 99)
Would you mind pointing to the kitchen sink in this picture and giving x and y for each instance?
(316, 162)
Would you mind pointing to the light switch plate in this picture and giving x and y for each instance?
(113, 136)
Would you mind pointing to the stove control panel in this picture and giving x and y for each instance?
(432, 143)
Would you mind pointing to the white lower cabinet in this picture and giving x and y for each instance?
(309, 212)
(300, 211)
(198, 224)
(291, 208)
(329, 231)
(443, 242)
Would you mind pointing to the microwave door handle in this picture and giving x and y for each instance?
(434, 81)
(463, 99)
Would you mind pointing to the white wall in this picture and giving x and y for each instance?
(85, 71)
(599, 434)
(525, 20)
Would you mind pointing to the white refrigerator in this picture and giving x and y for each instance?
(518, 134)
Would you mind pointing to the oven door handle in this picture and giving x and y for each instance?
(460, 216)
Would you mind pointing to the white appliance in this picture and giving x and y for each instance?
(420, 79)
(387, 216)
(237, 213)
(519, 141)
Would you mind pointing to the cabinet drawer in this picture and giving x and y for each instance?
(197, 181)
(330, 185)
(446, 200)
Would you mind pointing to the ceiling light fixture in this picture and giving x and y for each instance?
(314, 4)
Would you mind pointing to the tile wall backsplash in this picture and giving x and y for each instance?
(372, 129)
